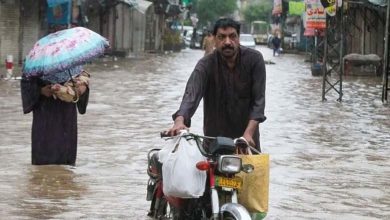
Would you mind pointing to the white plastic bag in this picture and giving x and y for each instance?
(180, 175)
(167, 148)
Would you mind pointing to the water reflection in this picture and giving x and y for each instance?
(50, 191)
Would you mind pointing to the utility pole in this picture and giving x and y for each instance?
(386, 70)
(334, 40)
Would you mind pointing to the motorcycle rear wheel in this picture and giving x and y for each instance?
(194, 211)
(162, 210)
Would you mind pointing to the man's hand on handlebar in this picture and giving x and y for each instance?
(249, 139)
(249, 131)
(178, 125)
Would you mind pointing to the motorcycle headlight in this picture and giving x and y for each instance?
(229, 164)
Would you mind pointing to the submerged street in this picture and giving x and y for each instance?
(329, 160)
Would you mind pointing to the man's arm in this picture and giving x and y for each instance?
(258, 90)
(250, 131)
(256, 114)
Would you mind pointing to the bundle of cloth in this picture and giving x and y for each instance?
(68, 92)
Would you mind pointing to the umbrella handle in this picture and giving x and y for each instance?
(74, 87)
(76, 92)
(77, 95)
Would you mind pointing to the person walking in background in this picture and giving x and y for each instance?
(276, 41)
(208, 43)
(54, 125)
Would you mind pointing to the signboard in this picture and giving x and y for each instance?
(330, 6)
(277, 7)
(296, 8)
(52, 3)
(59, 14)
(311, 32)
(315, 15)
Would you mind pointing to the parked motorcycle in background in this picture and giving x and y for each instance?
(219, 201)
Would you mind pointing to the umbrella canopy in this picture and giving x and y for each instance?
(63, 50)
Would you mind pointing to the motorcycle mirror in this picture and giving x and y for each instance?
(247, 168)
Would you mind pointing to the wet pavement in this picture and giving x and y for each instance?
(329, 160)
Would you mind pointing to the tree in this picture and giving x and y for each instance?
(257, 11)
(209, 11)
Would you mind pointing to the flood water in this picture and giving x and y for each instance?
(329, 160)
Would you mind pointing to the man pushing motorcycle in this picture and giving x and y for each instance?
(231, 81)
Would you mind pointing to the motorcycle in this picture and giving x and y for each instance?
(219, 201)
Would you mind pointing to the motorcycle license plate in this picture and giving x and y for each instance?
(234, 183)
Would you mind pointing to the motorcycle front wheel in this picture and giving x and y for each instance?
(228, 216)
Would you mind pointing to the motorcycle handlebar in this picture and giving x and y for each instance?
(197, 138)
(163, 134)
(240, 142)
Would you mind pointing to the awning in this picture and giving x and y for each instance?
(129, 2)
(143, 5)
(52, 3)
(379, 2)
(139, 5)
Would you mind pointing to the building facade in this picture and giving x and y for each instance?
(131, 26)
(20, 28)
